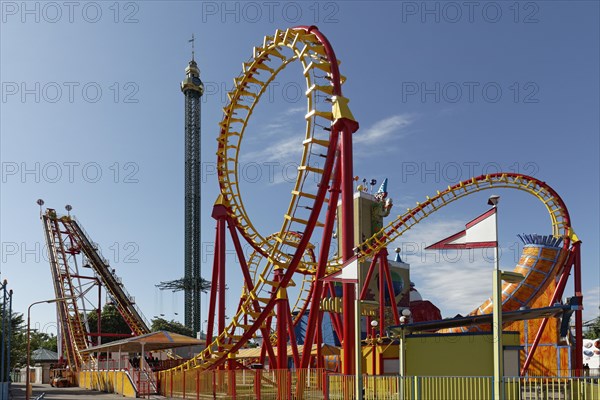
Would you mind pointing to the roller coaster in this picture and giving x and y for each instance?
(71, 251)
(287, 259)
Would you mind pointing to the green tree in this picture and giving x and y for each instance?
(161, 324)
(593, 331)
(18, 340)
(111, 322)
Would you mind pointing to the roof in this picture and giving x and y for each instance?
(44, 355)
(153, 341)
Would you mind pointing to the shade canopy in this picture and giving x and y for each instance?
(153, 341)
(326, 350)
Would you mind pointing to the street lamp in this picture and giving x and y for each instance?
(374, 325)
(27, 377)
(403, 320)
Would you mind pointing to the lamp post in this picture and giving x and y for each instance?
(405, 318)
(27, 377)
(497, 311)
(358, 342)
(374, 325)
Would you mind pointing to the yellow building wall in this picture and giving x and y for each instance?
(107, 381)
(440, 355)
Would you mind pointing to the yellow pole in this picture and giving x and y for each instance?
(358, 350)
(497, 322)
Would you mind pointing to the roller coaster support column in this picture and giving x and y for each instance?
(315, 315)
(218, 277)
(347, 125)
(578, 313)
(282, 311)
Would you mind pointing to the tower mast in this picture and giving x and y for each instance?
(192, 89)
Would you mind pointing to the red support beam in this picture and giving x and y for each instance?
(281, 310)
(578, 313)
(390, 286)
(213, 291)
(292, 334)
(221, 284)
(365, 287)
(347, 246)
(317, 293)
(381, 294)
(248, 281)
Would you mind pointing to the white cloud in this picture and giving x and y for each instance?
(295, 110)
(591, 302)
(285, 150)
(455, 281)
(394, 126)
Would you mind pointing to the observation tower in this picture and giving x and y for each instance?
(192, 89)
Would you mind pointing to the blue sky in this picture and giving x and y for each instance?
(92, 116)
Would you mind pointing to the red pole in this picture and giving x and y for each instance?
(213, 290)
(381, 296)
(248, 281)
(347, 241)
(99, 327)
(317, 293)
(257, 382)
(221, 257)
(578, 313)
(365, 287)
(281, 324)
(335, 317)
(390, 286)
(320, 341)
(293, 344)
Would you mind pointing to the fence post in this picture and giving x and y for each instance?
(325, 385)
(183, 384)
(257, 382)
(197, 384)
(214, 383)
(171, 383)
(289, 384)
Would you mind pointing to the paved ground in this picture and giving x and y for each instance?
(18, 393)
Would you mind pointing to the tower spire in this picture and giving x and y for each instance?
(192, 41)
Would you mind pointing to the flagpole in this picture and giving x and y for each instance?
(497, 311)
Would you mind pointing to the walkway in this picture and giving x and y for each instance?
(18, 393)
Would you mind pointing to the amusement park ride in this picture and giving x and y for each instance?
(287, 264)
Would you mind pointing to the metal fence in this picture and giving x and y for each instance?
(321, 384)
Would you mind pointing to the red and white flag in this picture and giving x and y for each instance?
(348, 273)
(481, 232)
